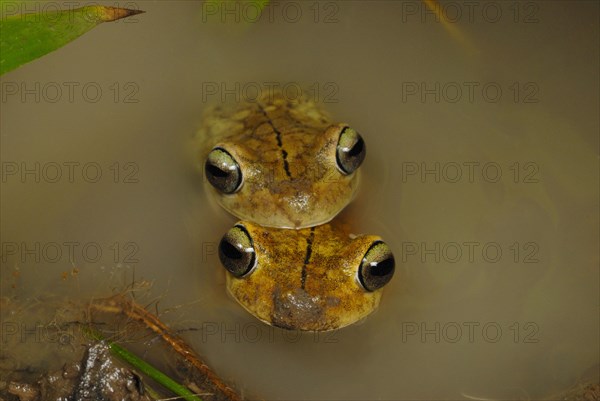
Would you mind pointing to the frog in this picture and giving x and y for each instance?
(280, 161)
(321, 278)
(286, 170)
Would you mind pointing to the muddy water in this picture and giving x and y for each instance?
(481, 174)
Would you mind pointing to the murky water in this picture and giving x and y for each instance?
(481, 174)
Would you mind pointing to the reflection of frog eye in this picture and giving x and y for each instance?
(222, 171)
(377, 267)
(351, 151)
(236, 251)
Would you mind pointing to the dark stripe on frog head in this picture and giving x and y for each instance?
(286, 165)
(309, 242)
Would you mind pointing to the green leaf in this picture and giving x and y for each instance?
(25, 37)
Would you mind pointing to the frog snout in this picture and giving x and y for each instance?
(297, 309)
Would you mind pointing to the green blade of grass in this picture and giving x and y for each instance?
(25, 37)
(153, 373)
(145, 367)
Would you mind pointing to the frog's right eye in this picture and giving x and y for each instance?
(351, 151)
(236, 251)
(377, 267)
(222, 171)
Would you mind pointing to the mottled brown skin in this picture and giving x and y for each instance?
(287, 153)
(305, 279)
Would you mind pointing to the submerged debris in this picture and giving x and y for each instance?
(97, 378)
(77, 355)
(101, 380)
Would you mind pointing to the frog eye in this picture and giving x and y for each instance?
(351, 151)
(236, 251)
(222, 171)
(377, 267)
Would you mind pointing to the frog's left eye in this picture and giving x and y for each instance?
(377, 267)
(236, 251)
(351, 151)
(222, 171)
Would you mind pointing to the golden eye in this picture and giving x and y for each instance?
(377, 267)
(236, 251)
(222, 171)
(351, 151)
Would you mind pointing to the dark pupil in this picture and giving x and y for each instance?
(216, 172)
(356, 149)
(383, 268)
(231, 251)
